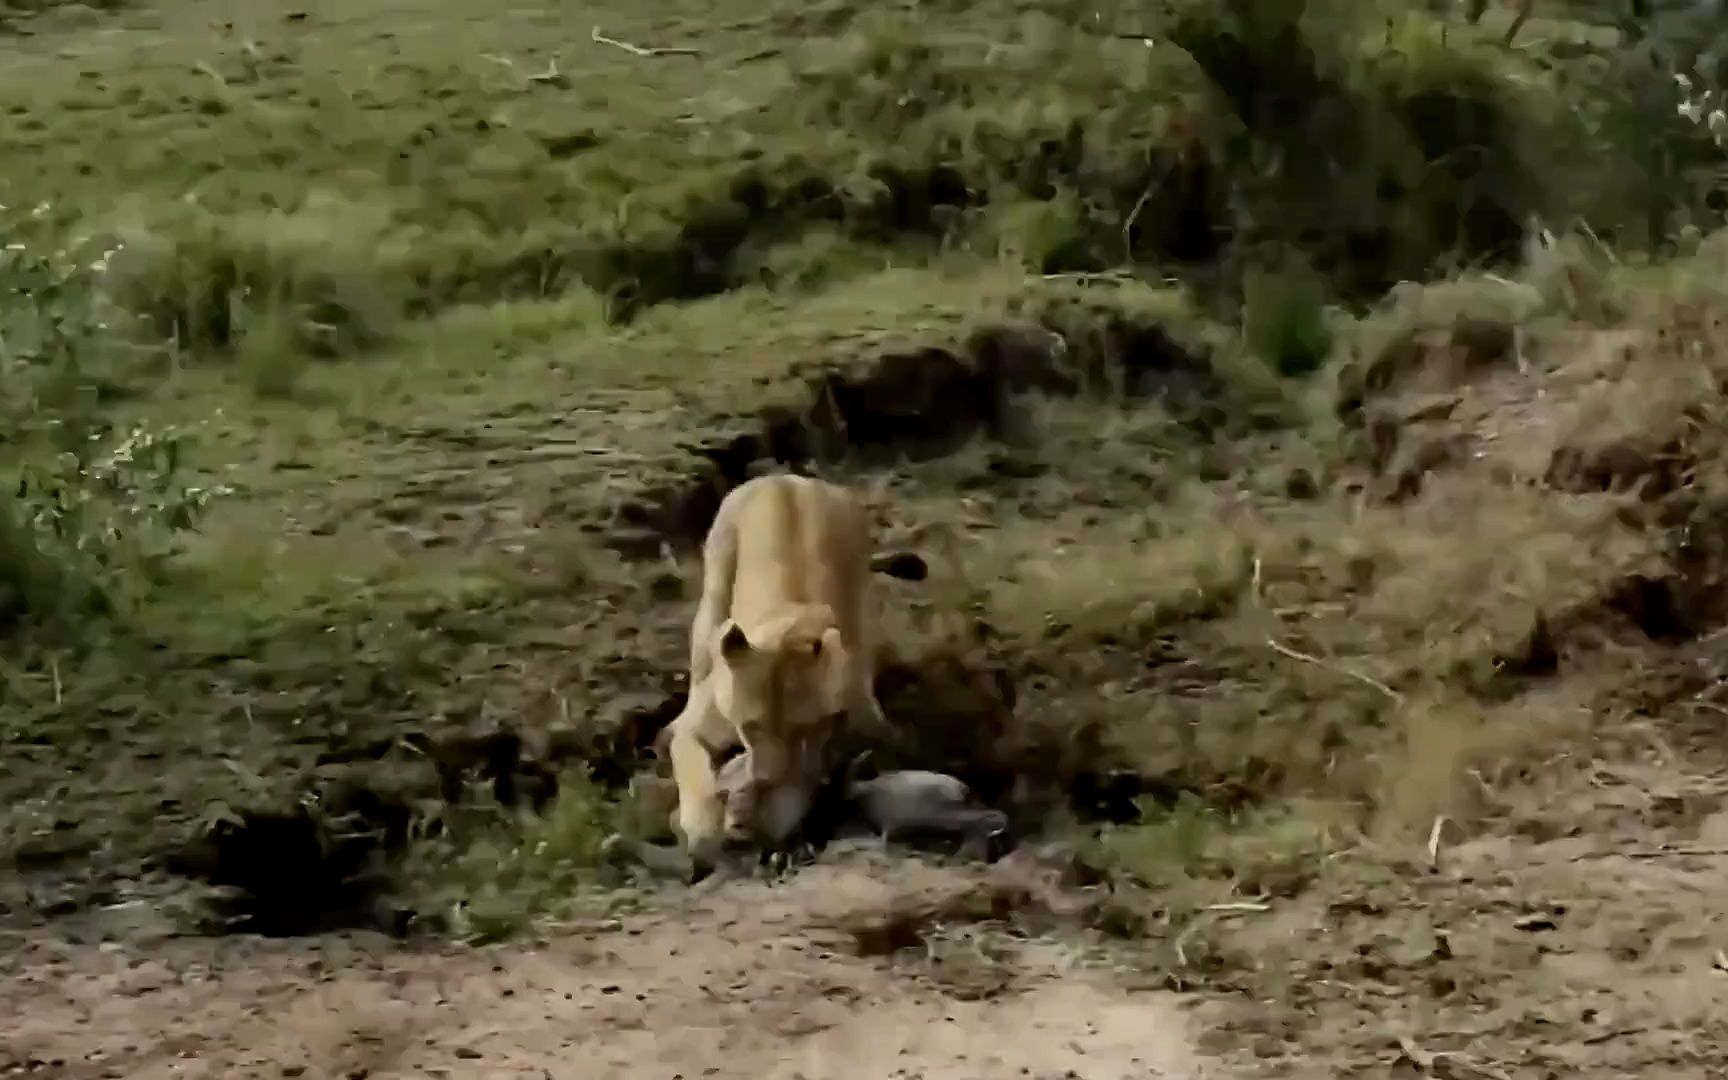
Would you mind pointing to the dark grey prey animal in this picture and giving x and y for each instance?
(896, 803)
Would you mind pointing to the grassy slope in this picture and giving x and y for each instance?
(366, 164)
(402, 524)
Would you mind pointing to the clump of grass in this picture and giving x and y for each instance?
(1447, 750)
(1047, 236)
(1303, 650)
(817, 256)
(1414, 323)
(1286, 323)
(1193, 853)
(327, 279)
(1195, 573)
(502, 878)
(478, 334)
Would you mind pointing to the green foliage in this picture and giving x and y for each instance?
(1285, 321)
(1189, 849)
(50, 319)
(90, 529)
(500, 878)
(1050, 236)
(95, 511)
(1385, 145)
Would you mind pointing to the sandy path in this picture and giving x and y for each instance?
(747, 981)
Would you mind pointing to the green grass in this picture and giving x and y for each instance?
(505, 873)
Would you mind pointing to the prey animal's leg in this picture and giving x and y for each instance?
(659, 860)
(780, 811)
(979, 828)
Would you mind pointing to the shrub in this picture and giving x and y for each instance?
(95, 511)
(1381, 143)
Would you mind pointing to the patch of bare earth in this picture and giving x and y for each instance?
(1579, 937)
(830, 974)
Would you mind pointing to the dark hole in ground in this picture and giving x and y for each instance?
(629, 746)
(325, 860)
(1651, 605)
(287, 873)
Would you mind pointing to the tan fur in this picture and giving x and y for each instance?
(782, 643)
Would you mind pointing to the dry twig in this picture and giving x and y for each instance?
(1239, 908)
(643, 50)
(1434, 841)
(1444, 1062)
(550, 77)
(1365, 680)
(1654, 853)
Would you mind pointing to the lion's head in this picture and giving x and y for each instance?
(783, 685)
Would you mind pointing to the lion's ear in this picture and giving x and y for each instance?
(734, 644)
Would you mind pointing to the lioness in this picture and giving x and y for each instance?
(781, 648)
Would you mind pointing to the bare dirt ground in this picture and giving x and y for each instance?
(1593, 946)
(746, 981)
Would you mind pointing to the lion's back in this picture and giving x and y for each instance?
(799, 541)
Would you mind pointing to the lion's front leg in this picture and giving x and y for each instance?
(697, 733)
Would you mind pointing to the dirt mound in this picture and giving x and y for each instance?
(1430, 399)
(927, 402)
(1585, 414)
